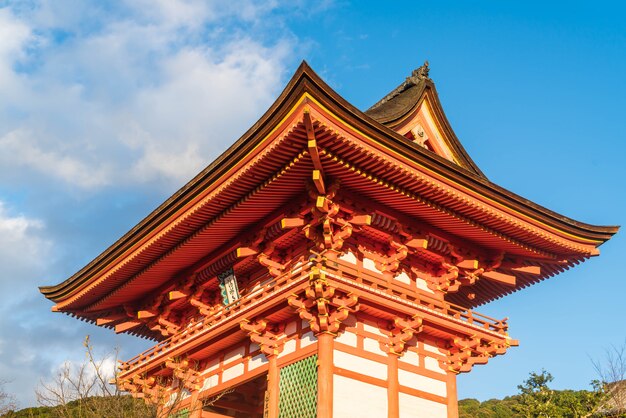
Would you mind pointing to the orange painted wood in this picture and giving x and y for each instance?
(325, 343)
(207, 414)
(176, 294)
(393, 386)
(245, 251)
(125, 326)
(534, 270)
(318, 181)
(287, 223)
(312, 143)
(500, 277)
(418, 243)
(468, 264)
(453, 403)
(145, 314)
(273, 388)
(361, 220)
(108, 319)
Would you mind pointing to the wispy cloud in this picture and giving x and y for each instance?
(146, 92)
(103, 107)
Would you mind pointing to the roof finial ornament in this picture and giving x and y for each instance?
(414, 79)
(422, 72)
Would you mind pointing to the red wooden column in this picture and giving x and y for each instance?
(393, 386)
(273, 387)
(325, 347)
(453, 403)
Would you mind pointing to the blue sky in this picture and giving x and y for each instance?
(107, 109)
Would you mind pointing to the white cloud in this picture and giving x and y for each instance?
(23, 250)
(150, 96)
(103, 106)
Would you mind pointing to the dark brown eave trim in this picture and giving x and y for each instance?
(305, 80)
(427, 87)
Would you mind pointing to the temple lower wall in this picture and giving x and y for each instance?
(361, 375)
(353, 398)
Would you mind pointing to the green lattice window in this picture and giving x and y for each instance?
(298, 389)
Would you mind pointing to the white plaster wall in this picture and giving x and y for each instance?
(411, 357)
(360, 365)
(210, 382)
(433, 364)
(414, 407)
(423, 383)
(403, 277)
(307, 339)
(356, 399)
(288, 348)
(370, 265)
(234, 354)
(257, 361)
(348, 257)
(431, 348)
(347, 338)
(373, 329)
(232, 372)
(421, 284)
(290, 328)
(371, 345)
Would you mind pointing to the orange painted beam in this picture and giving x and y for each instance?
(468, 264)
(500, 277)
(273, 388)
(245, 252)
(108, 319)
(318, 181)
(418, 243)
(125, 326)
(145, 314)
(534, 270)
(287, 223)
(361, 220)
(451, 392)
(325, 343)
(393, 387)
(312, 143)
(176, 294)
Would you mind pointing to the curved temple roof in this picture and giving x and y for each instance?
(461, 191)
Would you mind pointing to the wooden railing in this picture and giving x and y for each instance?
(378, 283)
(346, 272)
(223, 313)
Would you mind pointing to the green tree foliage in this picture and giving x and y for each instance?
(537, 400)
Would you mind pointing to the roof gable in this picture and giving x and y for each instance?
(413, 110)
(245, 169)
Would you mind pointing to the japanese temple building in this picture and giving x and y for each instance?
(326, 265)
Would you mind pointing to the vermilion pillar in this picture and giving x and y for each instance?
(273, 387)
(325, 346)
(393, 386)
(453, 406)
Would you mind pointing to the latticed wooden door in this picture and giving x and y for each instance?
(298, 389)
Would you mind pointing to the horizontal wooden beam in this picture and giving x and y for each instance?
(110, 318)
(176, 294)
(534, 270)
(245, 252)
(288, 223)
(468, 264)
(361, 220)
(500, 277)
(125, 326)
(145, 314)
(417, 243)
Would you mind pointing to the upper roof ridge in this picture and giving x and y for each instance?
(419, 74)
